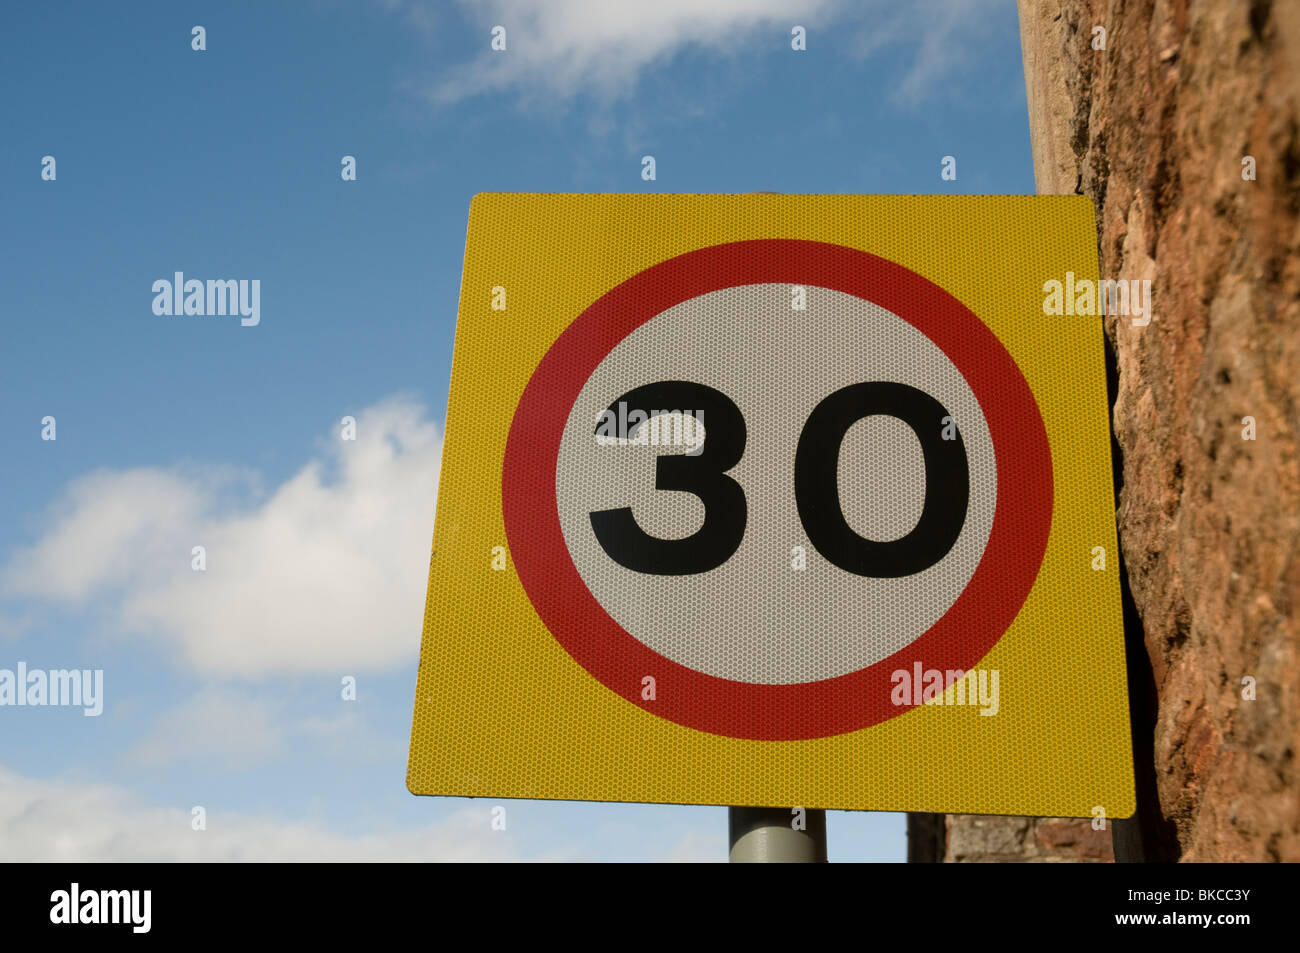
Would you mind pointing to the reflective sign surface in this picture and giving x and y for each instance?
(776, 500)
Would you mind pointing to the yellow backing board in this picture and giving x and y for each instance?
(774, 676)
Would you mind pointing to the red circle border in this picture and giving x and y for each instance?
(965, 633)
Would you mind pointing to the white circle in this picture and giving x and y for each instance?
(755, 618)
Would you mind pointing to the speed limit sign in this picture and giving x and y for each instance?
(776, 500)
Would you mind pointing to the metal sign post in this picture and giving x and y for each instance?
(767, 835)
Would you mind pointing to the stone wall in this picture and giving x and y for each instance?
(1156, 128)
(973, 838)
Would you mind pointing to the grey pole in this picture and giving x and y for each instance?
(766, 835)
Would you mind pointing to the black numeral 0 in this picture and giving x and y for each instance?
(816, 481)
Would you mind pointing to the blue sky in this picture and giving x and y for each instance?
(173, 431)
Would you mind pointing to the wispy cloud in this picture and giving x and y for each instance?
(324, 575)
(938, 40)
(56, 820)
(418, 13)
(13, 628)
(561, 49)
(233, 729)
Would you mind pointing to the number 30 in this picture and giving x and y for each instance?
(816, 485)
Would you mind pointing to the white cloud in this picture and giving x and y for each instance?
(103, 517)
(563, 48)
(54, 820)
(324, 575)
(601, 46)
(219, 727)
(232, 729)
